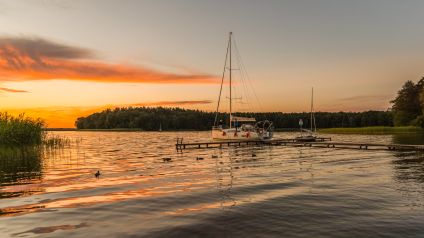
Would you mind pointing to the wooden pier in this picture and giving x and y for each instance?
(321, 142)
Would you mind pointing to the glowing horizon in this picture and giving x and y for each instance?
(67, 59)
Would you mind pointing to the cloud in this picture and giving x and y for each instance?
(12, 90)
(359, 103)
(362, 98)
(25, 59)
(172, 103)
(64, 117)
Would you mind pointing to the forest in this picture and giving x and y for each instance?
(151, 119)
(407, 110)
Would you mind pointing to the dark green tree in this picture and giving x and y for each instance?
(150, 119)
(407, 105)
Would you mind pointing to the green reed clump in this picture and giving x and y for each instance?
(20, 130)
(56, 142)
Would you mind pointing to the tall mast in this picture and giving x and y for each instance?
(222, 82)
(230, 80)
(312, 108)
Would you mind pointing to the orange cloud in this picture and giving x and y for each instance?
(13, 90)
(64, 117)
(171, 103)
(24, 59)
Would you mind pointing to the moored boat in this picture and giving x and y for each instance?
(305, 134)
(239, 127)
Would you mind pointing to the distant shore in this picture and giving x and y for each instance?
(373, 130)
(340, 130)
(137, 129)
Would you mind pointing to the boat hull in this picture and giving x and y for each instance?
(233, 134)
(306, 138)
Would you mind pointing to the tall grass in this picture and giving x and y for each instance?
(56, 142)
(20, 130)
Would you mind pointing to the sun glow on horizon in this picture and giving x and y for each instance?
(149, 54)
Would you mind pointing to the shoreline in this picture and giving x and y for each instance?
(375, 130)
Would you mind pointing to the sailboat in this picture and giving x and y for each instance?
(310, 135)
(239, 128)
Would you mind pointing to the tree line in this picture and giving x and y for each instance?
(151, 119)
(409, 104)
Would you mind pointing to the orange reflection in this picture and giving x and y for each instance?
(106, 198)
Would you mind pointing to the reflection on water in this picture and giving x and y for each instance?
(409, 138)
(19, 167)
(239, 191)
(42, 230)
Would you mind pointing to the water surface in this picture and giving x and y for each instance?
(240, 191)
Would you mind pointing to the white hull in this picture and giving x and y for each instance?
(232, 134)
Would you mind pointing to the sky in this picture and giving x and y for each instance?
(60, 59)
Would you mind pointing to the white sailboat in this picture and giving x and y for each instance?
(239, 128)
(305, 134)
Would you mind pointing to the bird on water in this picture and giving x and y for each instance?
(97, 174)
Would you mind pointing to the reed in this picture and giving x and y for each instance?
(56, 142)
(373, 130)
(20, 130)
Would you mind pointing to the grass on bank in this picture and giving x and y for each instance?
(25, 131)
(373, 130)
(20, 130)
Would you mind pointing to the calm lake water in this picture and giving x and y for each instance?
(281, 192)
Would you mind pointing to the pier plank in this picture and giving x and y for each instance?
(321, 142)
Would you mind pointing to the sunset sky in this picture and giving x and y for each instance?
(60, 60)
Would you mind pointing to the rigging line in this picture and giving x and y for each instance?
(249, 81)
(243, 71)
(244, 77)
(246, 91)
(222, 81)
(248, 78)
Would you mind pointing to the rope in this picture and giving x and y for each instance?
(243, 70)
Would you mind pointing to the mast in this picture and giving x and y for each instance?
(230, 79)
(312, 108)
(222, 82)
(313, 111)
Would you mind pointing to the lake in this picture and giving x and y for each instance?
(256, 191)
